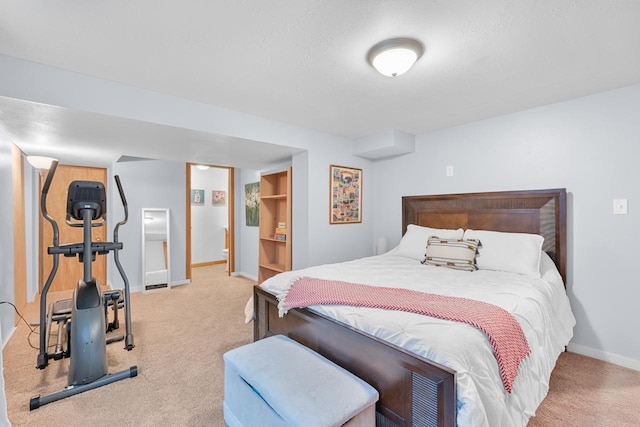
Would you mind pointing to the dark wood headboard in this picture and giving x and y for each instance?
(541, 212)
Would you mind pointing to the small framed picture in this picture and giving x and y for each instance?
(346, 195)
(197, 197)
(218, 197)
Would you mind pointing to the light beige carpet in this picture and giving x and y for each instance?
(588, 392)
(180, 336)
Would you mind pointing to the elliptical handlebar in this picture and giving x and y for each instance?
(122, 197)
(43, 201)
(124, 205)
(43, 358)
(49, 178)
(127, 309)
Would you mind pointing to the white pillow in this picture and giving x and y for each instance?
(414, 242)
(511, 252)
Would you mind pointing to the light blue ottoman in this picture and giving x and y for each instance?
(278, 382)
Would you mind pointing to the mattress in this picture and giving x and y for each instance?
(540, 306)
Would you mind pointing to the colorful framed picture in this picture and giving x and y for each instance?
(252, 203)
(218, 197)
(346, 195)
(197, 197)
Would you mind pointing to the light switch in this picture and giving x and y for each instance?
(449, 170)
(620, 207)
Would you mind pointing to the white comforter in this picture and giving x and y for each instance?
(539, 305)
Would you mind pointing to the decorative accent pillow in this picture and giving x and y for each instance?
(415, 239)
(453, 253)
(511, 252)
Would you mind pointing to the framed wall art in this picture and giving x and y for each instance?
(218, 197)
(346, 195)
(197, 197)
(252, 203)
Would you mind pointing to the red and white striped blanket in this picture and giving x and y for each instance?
(509, 343)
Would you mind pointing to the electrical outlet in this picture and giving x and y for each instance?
(620, 207)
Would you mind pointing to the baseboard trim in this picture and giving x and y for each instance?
(248, 276)
(605, 356)
(208, 263)
(180, 282)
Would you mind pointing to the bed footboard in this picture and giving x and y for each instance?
(413, 390)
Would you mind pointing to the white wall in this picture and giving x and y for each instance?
(246, 243)
(147, 184)
(7, 315)
(208, 221)
(590, 146)
(300, 242)
(6, 239)
(327, 243)
(31, 221)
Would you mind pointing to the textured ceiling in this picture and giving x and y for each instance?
(304, 62)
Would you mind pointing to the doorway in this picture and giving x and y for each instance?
(210, 216)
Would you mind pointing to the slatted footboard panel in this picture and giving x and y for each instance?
(413, 390)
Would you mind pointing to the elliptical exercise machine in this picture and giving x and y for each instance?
(86, 328)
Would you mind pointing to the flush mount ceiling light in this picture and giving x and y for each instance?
(394, 57)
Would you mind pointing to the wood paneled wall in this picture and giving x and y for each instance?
(19, 233)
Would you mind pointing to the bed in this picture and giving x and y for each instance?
(428, 372)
